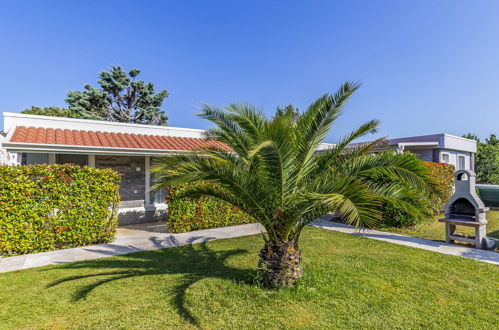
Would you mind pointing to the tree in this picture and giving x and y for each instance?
(289, 110)
(274, 174)
(486, 159)
(471, 136)
(120, 98)
(48, 111)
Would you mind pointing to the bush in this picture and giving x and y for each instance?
(188, 214)
(393, 216)
(442, 176)
(47, 207)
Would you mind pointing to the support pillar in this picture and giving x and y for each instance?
(480, 233)
(51, 158)
(15, 158)
(450, 230)
(91, 160)
(147, 179)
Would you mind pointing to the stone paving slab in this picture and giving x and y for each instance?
(145, 237)
(134, 238)
(420, 243)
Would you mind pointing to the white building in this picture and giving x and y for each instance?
(130, 149)
(440, 148)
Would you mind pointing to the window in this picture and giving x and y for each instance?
(33, 158)
(71, 159)
(461, 162)
(157, 196)
(445, 158)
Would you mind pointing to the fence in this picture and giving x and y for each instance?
(489, 194)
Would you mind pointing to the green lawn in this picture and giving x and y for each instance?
(349, 282)
(435, 230)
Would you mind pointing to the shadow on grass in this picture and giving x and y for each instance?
(194, 262)
(494, 234)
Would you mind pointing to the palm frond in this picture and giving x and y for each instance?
(315, 123)
(275, 174)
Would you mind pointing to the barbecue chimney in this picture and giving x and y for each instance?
(465, 208)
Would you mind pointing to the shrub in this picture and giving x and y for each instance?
(443, 178)
(425, 207)
(188, 214)
(393, 216)
(47, 207)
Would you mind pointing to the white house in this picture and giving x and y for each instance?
(131, 148)
(440, 148)
(127, 148)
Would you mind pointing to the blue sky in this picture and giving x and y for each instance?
(426, 66)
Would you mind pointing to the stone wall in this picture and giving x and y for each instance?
(133, 184)
(131, 217)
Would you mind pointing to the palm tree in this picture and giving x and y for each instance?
(275, 171)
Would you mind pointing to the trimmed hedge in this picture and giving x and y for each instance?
(442, 176)
(188, 214)
(48, 207)
(393, 216)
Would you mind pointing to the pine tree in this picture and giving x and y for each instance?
(120, 98)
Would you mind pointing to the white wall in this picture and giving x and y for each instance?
(453, 158)
(445, 141)
(7, 158)
(427, 154)
(3, 152)
(459, 143)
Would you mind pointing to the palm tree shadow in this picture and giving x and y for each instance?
(193, 261)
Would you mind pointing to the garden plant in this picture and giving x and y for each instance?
(276, 173)
(49, 207)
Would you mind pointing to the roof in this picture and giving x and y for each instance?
(70, 137)
(132, 139)
(13, 120)
(441, 141)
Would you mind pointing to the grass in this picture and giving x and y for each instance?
(435, 230)
(349, 282)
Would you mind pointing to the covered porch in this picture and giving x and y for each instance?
(137, 203)
(129, 149)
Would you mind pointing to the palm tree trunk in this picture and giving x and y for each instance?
(281, 263)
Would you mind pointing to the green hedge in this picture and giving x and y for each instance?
(47, 207)
(188, 214)
(443, 177)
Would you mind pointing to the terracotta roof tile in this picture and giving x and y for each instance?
(38, 135)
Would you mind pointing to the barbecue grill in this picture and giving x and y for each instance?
(465, 208)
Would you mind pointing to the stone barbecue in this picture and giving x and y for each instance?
(465, 208)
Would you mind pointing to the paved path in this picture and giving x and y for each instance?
(441, 247)
(153, 236)
(134, 238)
